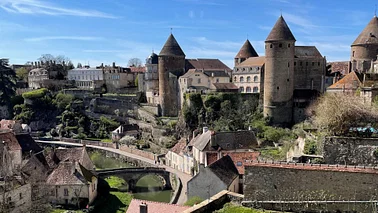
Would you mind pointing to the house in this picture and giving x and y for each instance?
(218, 176)
(15, 126)
(178, 157)
(87, 78)
(145, 206)
(36, 77)
(248, 75)
(72, 184)
(123, 130)
(206, 64)
(79, 155)
(209, 146)
(9, 139)
(117, 77)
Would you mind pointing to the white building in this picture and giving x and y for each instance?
(179, 158)
(86, 78)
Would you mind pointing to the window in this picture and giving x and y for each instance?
(353, 54)
(313, 63)
(255, 89)
(300, 63)
(306, 63)
(199, 80)
(65, 192)
(280, 45)
(20, 196)
(271, 45)
(288, 45)
(239, 163)
(248, 89)
(241, 89)
(255, 79)
(248, 79)
(235, 79)
(295, 63)
(318, 63)
(288, 64)
(242, 79)
(217, 80)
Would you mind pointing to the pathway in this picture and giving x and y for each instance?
(184, 177)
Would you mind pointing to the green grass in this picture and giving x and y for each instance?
(117, 183)
(193, 200)
(106, 140)
(231, 208)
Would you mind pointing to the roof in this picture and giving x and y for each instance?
(153, 59)
(216, 73)
(206, 64)
(137, 69)
(240, 158)
(280, 32)
(350, 81)
(72, 154)
(34, 168)
(155, 207)
(201, 141)
(10, 140)
(252, 62)
(225, 86)
(27, 143)
(38, 70)
(246, 51)
(7, 124)
(307, 52)
(171, 48)
(339, 66)
(85, 69)
(369, 35)
(235, 140)
(67, 173)
(224, 169)
(179, 146)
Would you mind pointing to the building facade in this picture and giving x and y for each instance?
(248, 76)
(87, 78)
(117, 77)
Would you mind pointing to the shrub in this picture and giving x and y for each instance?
(311, 147)
(127, 139)
(193, 201)
(39, 93)
(63, 100)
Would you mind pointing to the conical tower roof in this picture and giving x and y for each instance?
(246, 51)
(369, 35)
(280, 32)
(171, 48)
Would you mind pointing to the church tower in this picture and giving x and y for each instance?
(365, 47)
(171, 65)
(279, 74)
(245, 52)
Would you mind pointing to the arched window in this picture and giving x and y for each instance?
(235, 79)
(255, 89)
(255, 79)
(241, 89)
(248, 89)
(242, 79)
(271, 45)
(248, 79)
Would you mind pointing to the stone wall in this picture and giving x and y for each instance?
(350, 150)
(138, 152)
(306, 182)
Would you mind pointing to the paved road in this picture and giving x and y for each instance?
(184, 177)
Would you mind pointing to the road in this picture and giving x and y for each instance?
(183, 177)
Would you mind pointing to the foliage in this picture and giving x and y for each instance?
(102, 162)
(22, 74)
(114, 202)
(39, 93)
(136, 82)
(311, 147)
(338, 113)
(115, 182)
(7, 82)
(62, 101)
(127, 139)
(375, 153)
(232, 208)
(193, 201)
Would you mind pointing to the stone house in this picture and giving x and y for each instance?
(210, 146)
(87, 78)
(117, 77)
(15, 195)
(178, 157)
(218, 176)
(149, 81)
(248, 75)
(79, 155)
(14, 149)
(72, 184)
(36, 77)
(123, 130)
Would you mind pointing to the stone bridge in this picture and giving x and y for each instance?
(133, 175)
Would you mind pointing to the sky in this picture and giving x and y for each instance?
(105, 31)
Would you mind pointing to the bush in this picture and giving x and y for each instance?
(63, 100)
(127, 139)
(193, 201)
(39, 93)
(311, 147)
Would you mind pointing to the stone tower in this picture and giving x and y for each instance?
(365, 48)
(245, 52)
(279, 74)
(171, 66)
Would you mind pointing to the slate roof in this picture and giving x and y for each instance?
(201, 141)
(246, 51)
(224, 169)
(369, 34)
(206, 64)
(153, 59)
(72, 154)
(253, 62)
(27, 143)
(307, 52)
(217, 73)
(34, 168)
(155, 207)
(11, 141)
(225, 86)
(280, 31)
(171, 48)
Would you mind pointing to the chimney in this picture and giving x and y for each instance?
(102, 65)
(39, 64)
(113, 64)
(143, 207)
(205, 129)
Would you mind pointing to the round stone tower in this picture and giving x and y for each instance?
(171, 65)
(245, 52)
(279, 74)
(365, 47)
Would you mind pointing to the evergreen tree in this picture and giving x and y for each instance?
(7, 83)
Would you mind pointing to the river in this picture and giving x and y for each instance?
(145, 187)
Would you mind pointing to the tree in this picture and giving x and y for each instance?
(134, 62)
(7, 82)
(60, 59)
(338, 113)
(22, 73)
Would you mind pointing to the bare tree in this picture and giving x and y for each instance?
(60, 59)
(134, 62)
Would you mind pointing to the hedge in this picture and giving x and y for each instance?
(39, 93)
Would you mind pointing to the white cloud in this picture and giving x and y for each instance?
(192, 14)
(46, 8)
(78, 38)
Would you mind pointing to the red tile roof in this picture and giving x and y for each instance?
(138, 69)
(350, 81)
(179, 146)
(155, 207)
(241, 158)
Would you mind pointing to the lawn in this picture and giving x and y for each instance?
(231, 208)
(115, 202)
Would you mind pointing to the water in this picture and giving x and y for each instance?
(148, 187)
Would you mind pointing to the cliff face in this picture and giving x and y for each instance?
(4, 112)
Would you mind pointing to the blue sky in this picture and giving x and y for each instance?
(103, 31)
